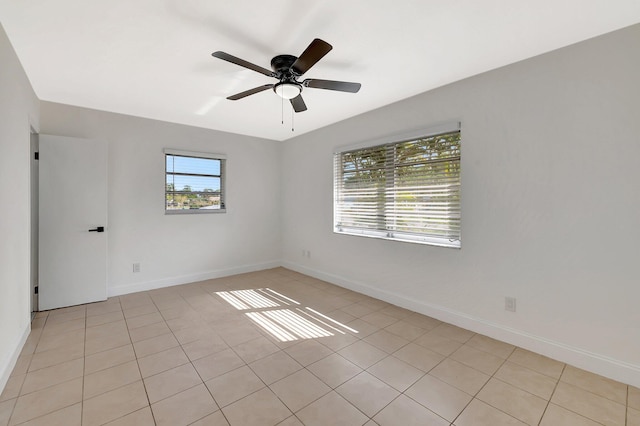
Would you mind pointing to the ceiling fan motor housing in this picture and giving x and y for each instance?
(281, 64)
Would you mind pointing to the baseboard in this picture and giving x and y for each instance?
(596, 363)
(7, 365)
(186, 279)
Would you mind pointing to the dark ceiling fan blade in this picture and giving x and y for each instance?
(250, 92)
(341, 86)
(298, 104)
(234, 60)
(312, 54)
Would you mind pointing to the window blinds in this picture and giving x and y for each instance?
(408, 191)
(194, 182)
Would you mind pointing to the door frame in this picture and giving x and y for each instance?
(35, 217)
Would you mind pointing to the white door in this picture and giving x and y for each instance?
(73, 221)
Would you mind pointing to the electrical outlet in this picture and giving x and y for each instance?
(136, 267)
(510, 304)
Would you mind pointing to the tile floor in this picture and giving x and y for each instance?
(190, 355)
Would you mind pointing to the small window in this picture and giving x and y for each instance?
(405, 191)
(194, 182)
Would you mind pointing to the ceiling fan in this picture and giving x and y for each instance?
(287, 69)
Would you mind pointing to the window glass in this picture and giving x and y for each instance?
(193, 184)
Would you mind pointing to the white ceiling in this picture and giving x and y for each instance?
(152, 58)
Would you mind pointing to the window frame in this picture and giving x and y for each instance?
(381, 143)
(203, 155)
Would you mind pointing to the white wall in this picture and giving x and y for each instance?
(174, 249)
(18, 111)
(550, 206)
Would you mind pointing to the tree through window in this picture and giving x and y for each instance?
(407, 191)
(194, 182)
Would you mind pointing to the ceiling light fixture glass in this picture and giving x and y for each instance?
(287, 90)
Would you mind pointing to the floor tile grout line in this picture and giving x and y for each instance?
(568, 409)
(552, 393)
(409, 387)
(475, 396)
(531, 369)
(390, 402)
(267, 386)
(589, 390)
(303, 368)
(25, 374)
(139, 371)
(203, 381)
(49, 386)
(15, 402)
(425, 374)
(42, 415)
(413, 383)
(36, 347)
(362, 339)
(626, 408)
(191, 362)
(20, 394)
(412, 399)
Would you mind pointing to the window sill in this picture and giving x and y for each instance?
(193, 211)
(414, 239)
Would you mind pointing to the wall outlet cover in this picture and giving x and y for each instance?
(510, 304)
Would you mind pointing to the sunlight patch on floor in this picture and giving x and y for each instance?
(285, 325)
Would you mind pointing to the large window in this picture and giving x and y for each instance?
(194, 182)
(406, 191)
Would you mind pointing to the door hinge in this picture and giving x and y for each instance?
(36, 155)
(35, 290)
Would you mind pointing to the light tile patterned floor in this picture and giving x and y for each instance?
(190, 355)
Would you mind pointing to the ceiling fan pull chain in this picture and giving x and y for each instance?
(282, 111)
(292, 115)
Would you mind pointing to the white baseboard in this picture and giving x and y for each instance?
(596, 363)
(7, 364)
(186, 279)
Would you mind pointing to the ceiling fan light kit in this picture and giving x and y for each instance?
(287, 90)
(287, 69)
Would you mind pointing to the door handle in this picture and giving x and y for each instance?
(98, 229)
